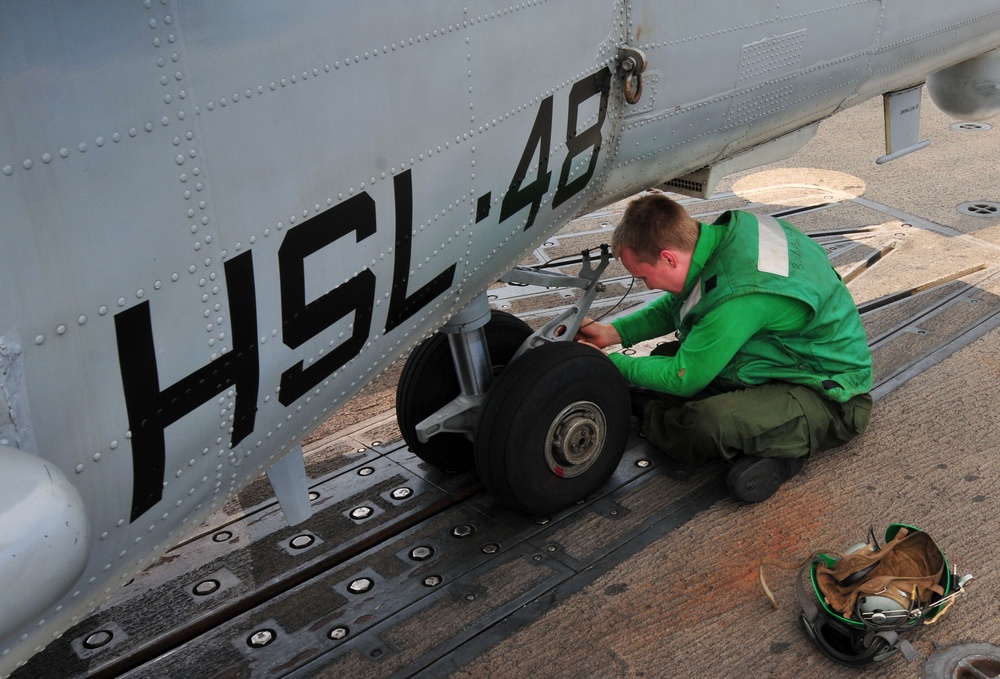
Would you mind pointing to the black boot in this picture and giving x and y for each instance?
(754, 479)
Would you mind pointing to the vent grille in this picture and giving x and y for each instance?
(980, 208)
(686, 185)
(971, 127)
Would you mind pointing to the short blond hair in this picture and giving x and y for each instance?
(653, 223)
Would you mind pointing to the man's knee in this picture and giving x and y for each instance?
(693, 433)
(763, 422)
(774, 420)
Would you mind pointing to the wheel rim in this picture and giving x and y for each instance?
(575, 439)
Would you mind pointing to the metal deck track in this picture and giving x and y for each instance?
(406, 571)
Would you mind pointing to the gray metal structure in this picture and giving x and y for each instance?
(222, 220)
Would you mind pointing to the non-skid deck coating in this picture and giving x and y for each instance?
(404, 570)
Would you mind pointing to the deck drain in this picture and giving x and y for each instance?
(971, 127)
(980, 208)
(965, 661)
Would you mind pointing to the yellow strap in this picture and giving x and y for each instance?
(941, 611)
(783, 564)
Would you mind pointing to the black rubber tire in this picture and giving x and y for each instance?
(524, 403)
(428, 383)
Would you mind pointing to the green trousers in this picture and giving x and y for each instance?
(777, 419)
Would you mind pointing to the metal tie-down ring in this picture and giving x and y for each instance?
(631, 64)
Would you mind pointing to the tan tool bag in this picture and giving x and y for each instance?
(907, 570)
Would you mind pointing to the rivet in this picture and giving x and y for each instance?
(364, 471)
(301, 541)
(401, 493)
(491, 548)
(206, 587)
(338, 633)
(463, 531)
(261, 638)
(98, 639)
(542, 520)
(362, 512)
(313, 496)
(642, 464)
(421, 553)
(432, 581)
(361, 585)
(222, 536)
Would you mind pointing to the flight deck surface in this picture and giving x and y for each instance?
(407, 571)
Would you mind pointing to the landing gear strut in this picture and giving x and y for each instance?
(429, 383)
(543, 419)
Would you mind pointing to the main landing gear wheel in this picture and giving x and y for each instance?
(428, 383)
(553, 428)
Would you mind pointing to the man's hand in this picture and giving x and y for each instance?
(598, 335)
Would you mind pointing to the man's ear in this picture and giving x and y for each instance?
(668, 257)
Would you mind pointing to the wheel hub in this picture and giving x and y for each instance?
(575, 439)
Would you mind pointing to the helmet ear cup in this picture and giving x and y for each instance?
(858, 575)
(844, 644)
(880, 611)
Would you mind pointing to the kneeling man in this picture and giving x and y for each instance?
(771, 363)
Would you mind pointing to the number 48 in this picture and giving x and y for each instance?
(539, 140)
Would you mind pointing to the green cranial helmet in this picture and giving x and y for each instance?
(864, 599)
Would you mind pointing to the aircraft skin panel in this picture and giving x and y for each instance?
(813, 98)
(309, 177)
(221, 220)
(752, 65)
(71, 66)
(200, 175)
(318, 158)
(321, 149)
(72, 215)
(873, 49)
(931, 44)
(715, 52)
